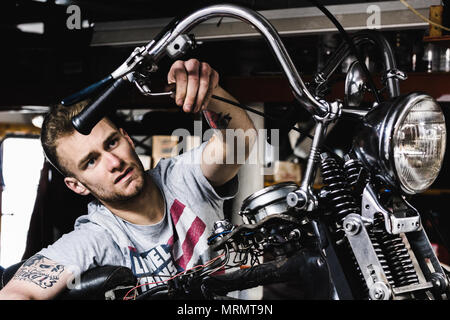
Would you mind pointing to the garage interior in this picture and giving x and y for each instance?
(54, 48)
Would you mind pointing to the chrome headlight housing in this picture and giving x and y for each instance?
(404, 142)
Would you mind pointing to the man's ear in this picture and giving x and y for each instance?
(76, 186)
(127, 137)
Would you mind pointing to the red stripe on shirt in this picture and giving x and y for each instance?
(176, 210)
(172, 240)
(194, 233)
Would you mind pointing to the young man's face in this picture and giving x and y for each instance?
(102, 163)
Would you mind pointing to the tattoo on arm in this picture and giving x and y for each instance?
(217, 120)
(40, 271)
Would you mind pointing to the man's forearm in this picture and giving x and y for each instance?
(231, 117)
(233, 122)
(38, 278)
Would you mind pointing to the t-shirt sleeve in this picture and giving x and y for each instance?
(84, 248)
(184, 172)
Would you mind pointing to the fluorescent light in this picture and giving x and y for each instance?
(35, 27)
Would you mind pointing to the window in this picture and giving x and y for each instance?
(21, 167)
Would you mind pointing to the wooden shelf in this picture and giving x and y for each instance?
(440, 41)
(6, 128)
(247, 89)
(276, 88)
(436, 192)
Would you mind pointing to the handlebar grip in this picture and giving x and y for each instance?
(93, 113)
(84, 93)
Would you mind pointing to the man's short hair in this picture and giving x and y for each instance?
(58, 124)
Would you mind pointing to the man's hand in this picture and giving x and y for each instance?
(195, 82)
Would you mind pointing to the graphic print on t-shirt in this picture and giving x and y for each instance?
(182, 251)
(153, 266)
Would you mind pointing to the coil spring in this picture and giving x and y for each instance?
(397, 256)
(339, 193)
(375, 235)
(353, 169)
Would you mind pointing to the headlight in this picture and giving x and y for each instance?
(419, 141)
(403, 142)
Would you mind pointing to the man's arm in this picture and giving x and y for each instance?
(233, 141)
(38, 278)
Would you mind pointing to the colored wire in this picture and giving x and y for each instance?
(217, 235)
(175, 276)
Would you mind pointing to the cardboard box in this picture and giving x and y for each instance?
(146, 161)
(287, 171)
(164, 147)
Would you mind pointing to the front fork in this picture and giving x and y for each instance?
(394, 255)
(374, 252)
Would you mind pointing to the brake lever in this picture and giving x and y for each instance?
(143, 85)
(132, 62)
(158, 94)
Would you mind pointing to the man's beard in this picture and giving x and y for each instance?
(109, 197)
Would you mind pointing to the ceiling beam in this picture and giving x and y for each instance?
(288, 22)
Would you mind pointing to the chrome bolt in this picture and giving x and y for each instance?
(294, 234)
(352, 226)
(379, 291)
(439, 281)
(378, 294)
(320, 262)
(296, 199)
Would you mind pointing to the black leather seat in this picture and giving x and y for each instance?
(1, 274)
(9, 272)
(100, 283)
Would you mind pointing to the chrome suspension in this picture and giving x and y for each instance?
(389, 254)
(337, 187)
(396, 256)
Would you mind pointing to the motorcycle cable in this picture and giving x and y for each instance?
(264, 115)
(352, 46)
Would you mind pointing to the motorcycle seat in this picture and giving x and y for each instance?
(99, 283)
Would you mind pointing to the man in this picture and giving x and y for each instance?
(156, 222)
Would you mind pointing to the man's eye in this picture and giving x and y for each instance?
(113, 143)
(90, 163)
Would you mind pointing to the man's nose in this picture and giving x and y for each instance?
(113, 162)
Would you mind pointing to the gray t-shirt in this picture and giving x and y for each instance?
(153, 252)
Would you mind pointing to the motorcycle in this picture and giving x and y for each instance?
(358, 236)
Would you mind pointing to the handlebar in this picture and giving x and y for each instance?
(156, 48)
(154, 51)
(86, 92)
(92, 114)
